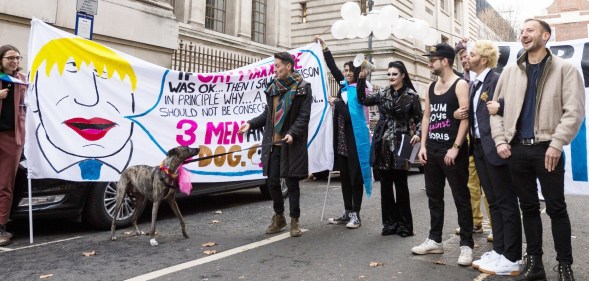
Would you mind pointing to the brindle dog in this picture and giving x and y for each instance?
(155, 184)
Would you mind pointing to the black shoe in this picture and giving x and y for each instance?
(565, 272)
(343, 219)
(533, 269)
(389, 230)
(404, 231)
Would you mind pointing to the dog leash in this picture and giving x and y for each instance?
(230, 152)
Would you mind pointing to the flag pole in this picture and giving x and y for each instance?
(30, 213)
(326, 191)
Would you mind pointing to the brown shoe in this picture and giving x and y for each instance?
(278, 222)
(295, 231)
(5, 238)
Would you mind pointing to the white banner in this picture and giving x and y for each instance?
(93, 111)
(577, 53)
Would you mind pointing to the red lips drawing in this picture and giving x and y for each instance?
(91, 129)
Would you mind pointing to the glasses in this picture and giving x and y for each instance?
(432, 60)
(15, 58)
(392, 74)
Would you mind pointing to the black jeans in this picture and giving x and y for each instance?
(526, 164)
(294, 192)
(502, 198)
(395, 212)
(436, 173)
(352, 191)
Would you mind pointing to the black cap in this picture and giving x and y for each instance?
(441, 50)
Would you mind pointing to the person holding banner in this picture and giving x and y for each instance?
(350, 128)
(444, 153)
(491, 168)
(544, 107)
(284, 146)
(12, 130)
(400, 111)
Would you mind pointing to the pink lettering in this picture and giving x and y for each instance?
(205, 78)
(225, 132)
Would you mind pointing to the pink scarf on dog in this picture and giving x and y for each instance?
(184, 180)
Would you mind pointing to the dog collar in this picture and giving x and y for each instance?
(166, 171)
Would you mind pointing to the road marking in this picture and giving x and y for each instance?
(37, 245)
(481, 277)
(193, 263)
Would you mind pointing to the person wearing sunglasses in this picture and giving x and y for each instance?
(349, 132)
(12, 131)
(400, 118)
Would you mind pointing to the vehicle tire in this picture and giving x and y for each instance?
(266, 193)
(323, 175)
(100, 205)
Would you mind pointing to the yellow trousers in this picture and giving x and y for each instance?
(476, 192)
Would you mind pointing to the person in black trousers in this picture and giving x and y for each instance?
(544, 107)
(400, 117)
(491, 168)
(344, 136)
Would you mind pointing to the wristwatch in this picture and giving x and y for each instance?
(455, 145)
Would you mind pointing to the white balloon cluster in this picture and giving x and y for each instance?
(381, 24)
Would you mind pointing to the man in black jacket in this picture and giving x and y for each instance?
(285, 121)
(492, 169)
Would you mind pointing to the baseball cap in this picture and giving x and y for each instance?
(441, 50)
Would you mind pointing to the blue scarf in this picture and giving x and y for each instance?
(361, 135)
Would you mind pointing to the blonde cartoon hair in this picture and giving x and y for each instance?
(487, 49)
(60, 51)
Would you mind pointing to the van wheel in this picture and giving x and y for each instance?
(266, 193)
(100, 206)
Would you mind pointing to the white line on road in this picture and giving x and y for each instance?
(481, 277)
(193, 263)
(37, 245)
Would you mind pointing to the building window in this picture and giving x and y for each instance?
(215, 15)
(259, 21)
(458, 10)
(304, 12)
(443, 5)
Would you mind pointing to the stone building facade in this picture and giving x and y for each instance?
(569, 19)
(455, 19)
(152, 29)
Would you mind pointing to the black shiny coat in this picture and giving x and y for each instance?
(400, 113)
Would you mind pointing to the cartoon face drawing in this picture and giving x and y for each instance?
(87, 96)
(255, 155)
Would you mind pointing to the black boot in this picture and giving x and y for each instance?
(533, 269)
(565, 272)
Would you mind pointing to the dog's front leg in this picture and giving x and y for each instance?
(154, 209)
(139, 202)
(172, 202)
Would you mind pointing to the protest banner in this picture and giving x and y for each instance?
(93, 111)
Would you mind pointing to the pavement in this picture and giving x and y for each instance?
(236, 221)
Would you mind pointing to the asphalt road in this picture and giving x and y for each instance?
(244, 252)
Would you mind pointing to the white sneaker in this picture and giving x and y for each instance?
(502, 266)
(428, 247)
(465, 257)
(354, 220)
(490, 237)
(488, 257)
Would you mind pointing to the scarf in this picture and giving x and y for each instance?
(286, 88)
(361, 135)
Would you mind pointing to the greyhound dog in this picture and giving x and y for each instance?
(155, 184)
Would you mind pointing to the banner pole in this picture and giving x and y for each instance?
(326, 191)
(30, 213)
